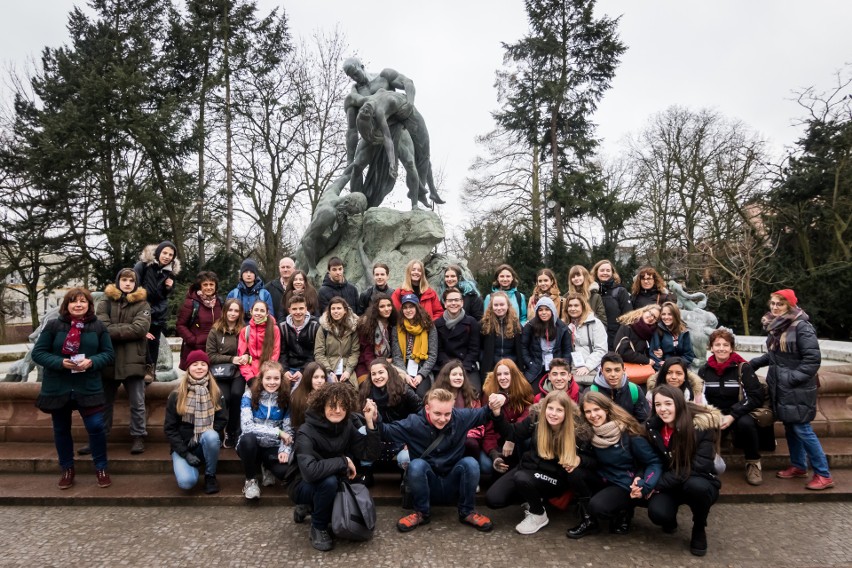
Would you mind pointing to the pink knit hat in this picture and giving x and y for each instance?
(788, 295)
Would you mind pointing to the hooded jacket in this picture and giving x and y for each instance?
(545, 387)
(589, 340)
(628, 396)
(127, 318)
(194, 331)
(249, 295)
(792, 374)
(706, 425)
(265, 422)
(151, 276)
(428, 299)
(331, 349)
(531, 345)
(627, 459)
(321, 448)
(663, 338)
(253, 345)
(330, 289)
(692, 387)
(297, 349)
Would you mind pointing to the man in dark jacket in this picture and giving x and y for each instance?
(250, 289)
(278, 286)
(335, 284)
(438, 471)
(156, 270)
(298, 335)
(612, 381)
(458, 337)
(381, 272)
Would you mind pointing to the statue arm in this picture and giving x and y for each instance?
(366, 263)
(387, 141)
(399, 81)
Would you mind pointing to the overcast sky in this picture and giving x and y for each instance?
(742, 58)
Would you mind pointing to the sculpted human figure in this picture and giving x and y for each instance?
(379, 181)
(326, 227)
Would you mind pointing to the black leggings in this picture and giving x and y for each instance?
(534, 487)
(232, 390)
(610, 501)
(253, 454)
(153, 344)
(698, 493)
(747, 436)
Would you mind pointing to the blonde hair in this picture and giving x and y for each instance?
(183, 391)
(587, 310)
(439, 395)
(633, 316)
(587, 280)
(560, 444)
(406, 282)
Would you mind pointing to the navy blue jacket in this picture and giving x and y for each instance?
(532, 353)
(418, 433)
(632, 457)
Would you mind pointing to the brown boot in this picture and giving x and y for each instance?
(754, 475)
(150, 374)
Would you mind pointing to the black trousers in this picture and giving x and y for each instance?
(609, 501)
(520, 484)
(154, 344)
(232, 390)
(746, 435)
(253, 455)
(698, 493)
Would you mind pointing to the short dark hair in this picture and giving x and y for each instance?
(612, 357)
(559, 362)
(334, 394)
(451, 290)
(206, 276)
(296, 299)
(722, 333)
(381, 265)
(335, 261)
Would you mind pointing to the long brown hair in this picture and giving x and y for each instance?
(443, 382)
(677, 325)
(491, 323)
(613, 412)
(309, 293)
(395, 385)
(269, 335)
(587, 280)
(682, 445)
(299, 396)
(221, 324)
(368, 323)
(520, 393)
(256, 386)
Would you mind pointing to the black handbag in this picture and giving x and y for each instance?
(354, 514)
(224, 371)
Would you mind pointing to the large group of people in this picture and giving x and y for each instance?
(542, 399)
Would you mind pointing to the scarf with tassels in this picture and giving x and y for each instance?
(381, 343)
(71, 345)
(782, 330)
(420, 346)
(607, 435)
(199, 407)
(208, 301)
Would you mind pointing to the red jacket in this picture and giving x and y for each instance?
(194, 334)
(545, 387)
(492, 439)
(428, 299)
(254, 347)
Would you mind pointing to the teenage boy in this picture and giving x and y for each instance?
(559, 378)
(277, 287)
(381, 272)
(439, 472)
(335, 284)
(250, 289)
(612, 381)
(298, 335)
(458, 337)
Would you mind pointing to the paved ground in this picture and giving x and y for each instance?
(778, 535)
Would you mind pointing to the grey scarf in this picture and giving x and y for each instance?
(451, 323)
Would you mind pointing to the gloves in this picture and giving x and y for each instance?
(192, 460)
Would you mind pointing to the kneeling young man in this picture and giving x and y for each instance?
(439, 472)
(559, 379)
(612, 381)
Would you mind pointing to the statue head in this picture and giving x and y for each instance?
(355, 70)
(352, 204)
(365, 124)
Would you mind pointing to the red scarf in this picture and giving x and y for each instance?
(734, 359)
(71, 346)
(666, 432)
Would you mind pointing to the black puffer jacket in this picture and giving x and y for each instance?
(297, 349)
(321, 448)
(706, 429)
(151, 276)
(180, 433)
(792, 374)
(616, 300)
(330, 289)
(724, 392)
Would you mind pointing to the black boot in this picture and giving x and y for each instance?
(588, 524)
(620, 524)
(698, 542)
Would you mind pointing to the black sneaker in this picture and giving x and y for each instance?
(300, 513)
(84, 451)
(698, 542)
(321, 539)
(138, 445)
(211, 485)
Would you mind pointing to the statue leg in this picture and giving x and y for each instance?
(412, 180)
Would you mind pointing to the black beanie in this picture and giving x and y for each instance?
(251, 266)
(161, 246)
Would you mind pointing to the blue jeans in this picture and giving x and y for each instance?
(207, 450)
(320, 496)
(427, 486)
(94, 423)
(486, 466)
(804, 446)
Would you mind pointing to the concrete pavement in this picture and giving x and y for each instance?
(752, 535)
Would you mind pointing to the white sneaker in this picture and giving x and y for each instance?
(268, 477)
(532, 523)
(251, 490)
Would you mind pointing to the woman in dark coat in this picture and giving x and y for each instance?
(685, 436)
(156, 271)
(544, 338)
(793, 357)
(201, 308)
(74, 349)
(616, 298)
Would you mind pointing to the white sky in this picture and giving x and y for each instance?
(743, 58)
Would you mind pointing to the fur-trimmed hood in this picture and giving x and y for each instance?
(694, 383)
(147, 256)
(113, 293)
(701, 421)
(350, 322)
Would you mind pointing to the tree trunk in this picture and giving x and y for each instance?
(535, 194)
(229, 188)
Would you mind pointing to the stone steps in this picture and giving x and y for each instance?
(29, 472)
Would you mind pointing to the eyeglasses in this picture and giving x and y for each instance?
(453, 300)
